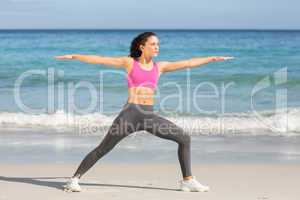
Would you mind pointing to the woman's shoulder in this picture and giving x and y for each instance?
(129, 63)
(161, 64)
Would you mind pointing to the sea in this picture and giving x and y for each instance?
(245, 110)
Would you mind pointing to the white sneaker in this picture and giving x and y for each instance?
(72, 185)
(192, 185)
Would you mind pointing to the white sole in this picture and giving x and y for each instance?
(186, 189)
(67, 189)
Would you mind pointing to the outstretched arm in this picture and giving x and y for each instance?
(190, 63)
(93, 59)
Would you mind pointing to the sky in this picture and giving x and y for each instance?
(151, 14)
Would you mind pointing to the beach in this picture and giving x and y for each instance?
(242, 115)
(156, 181)
(35, 165)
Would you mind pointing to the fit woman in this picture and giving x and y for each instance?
(142, 77)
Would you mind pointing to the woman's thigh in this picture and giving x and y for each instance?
(164, 128)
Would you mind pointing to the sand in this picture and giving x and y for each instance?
(151, 181)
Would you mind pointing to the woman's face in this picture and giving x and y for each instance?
(151, 47)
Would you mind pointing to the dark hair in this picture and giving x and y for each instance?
(141, 39)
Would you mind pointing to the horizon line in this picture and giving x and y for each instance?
(137, 29)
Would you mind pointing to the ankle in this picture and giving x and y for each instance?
(76, 176)
(187, 178)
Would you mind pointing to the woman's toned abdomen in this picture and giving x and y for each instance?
(141, 95)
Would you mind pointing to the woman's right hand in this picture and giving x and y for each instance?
(65, 57)
(221, 58)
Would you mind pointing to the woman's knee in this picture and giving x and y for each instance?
(180, 136)
(107, 144)
(186, 139)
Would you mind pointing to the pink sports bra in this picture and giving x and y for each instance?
(139, 77)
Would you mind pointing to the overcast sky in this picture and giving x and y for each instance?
(141, 14)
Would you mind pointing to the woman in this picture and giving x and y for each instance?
(142, 77)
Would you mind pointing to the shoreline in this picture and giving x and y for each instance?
(21, 147)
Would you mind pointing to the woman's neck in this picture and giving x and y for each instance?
(144, 60)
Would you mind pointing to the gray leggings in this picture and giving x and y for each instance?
(134, 118)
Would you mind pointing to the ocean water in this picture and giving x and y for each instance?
(255, 96)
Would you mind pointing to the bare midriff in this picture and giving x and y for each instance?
(141, 95)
